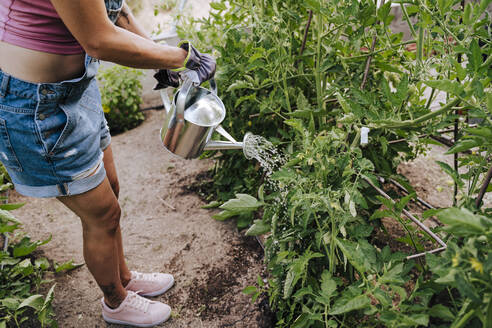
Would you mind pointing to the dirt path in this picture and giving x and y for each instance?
(165, 229)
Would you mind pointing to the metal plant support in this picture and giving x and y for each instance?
(5, 234)
(416, 221)
(171, 36)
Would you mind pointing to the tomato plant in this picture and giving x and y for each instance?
(310, 76)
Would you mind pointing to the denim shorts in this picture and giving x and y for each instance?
(52, 135)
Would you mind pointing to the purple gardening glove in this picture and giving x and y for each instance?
(166, 78)
(202, 64)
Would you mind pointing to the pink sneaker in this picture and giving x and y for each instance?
(136, 311)
(150, 284)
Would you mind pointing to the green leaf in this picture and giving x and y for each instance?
(213, 204)
(26, 247)
(34, 301)
(259, 227)
(388, 67)
(353, 254)
(10, 303)
(250, 290)
(242, 203)
(67, 266)
(441, 312)
(489, 102)
(352, 209)
(461, 222)
(467, 14)
(464, 145)
(301, 321)
(356, 303)
(49, 297)
(447, 279)
(5, 215)
(328, 286)
(452, 87)
(293, 275)
(384, 11)
(343, 103)
(239, 84)
(452, 173)
(296, 270)
(224, 215)
(475, 56)
(218, 6)
(42, 263)
(10, 207)
(460, 70)
(485, 132)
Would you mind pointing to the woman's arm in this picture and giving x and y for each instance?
(88, 22)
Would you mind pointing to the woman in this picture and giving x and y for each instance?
(55, 141)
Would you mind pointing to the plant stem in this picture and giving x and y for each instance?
(380, 50)
(324, 244)
(423, 118)
(286, 91)
(487, 62)
(407, 18)
(420, 46)
(306, 33)
(429, 102)
(319, 95)
(455, 159)
(368, 64)
(369, 59)
(484, 188)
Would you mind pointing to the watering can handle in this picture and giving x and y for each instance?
(165, 99)
(183, 94)
(213, 86)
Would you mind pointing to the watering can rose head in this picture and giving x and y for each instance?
(197, 66)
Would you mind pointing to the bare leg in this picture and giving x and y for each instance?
(125, 274)
(100, 212)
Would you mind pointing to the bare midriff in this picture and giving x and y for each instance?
(39, 67)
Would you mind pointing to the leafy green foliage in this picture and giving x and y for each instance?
(21, 274)
(327, 267)
(120, 93)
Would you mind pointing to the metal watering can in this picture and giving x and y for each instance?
(191, 118)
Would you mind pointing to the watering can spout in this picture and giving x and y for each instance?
(222, 145)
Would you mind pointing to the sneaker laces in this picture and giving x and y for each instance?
(144, 276)
(138, 302)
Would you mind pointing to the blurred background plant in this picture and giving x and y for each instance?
(121, 91)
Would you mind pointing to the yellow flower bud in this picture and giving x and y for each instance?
(476, 265)
(455, 260)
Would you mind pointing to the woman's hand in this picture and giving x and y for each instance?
(203, 64)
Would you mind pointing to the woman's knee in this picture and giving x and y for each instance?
(111, 220)
(108, 221)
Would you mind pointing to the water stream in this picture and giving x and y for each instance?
(264, 152)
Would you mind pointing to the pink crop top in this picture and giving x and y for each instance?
(34, 24)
